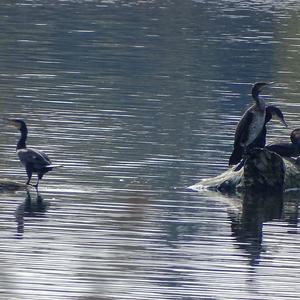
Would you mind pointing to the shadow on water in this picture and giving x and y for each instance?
(30, 209)
(257, 209)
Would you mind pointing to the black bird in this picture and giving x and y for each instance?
(272, 112)
(250, 125)
(288, 149)
(33, 160)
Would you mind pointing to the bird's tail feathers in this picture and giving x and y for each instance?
(53, 166)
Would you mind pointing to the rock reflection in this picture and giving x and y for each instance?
(290, 211)
(30, 209)
(258, 208)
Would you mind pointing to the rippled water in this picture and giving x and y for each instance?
(138, 100)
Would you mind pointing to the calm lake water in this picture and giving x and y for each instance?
(138, 100)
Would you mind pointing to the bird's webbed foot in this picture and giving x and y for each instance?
(36, 186)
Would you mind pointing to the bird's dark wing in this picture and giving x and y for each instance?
(242, 130)
(236, 155)
(37, 159)
(44, 155)
(241, 135)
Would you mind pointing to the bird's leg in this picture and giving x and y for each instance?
(36, 185)
(38, 181)
(29, 174)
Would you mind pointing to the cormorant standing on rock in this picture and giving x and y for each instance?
(272, 112)
(250, 125)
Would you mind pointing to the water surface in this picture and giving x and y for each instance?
(138, 100)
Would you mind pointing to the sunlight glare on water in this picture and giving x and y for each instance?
(139, 100)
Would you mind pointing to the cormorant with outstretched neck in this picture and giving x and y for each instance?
(272, 112)
(250, 125)
(34, 161)
(288, 149)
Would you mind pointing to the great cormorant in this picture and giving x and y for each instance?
(34, 161)
(288, 149)
(272, 112)
(251, 123)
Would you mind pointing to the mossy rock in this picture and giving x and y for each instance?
(263, 170)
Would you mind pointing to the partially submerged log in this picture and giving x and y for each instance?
(9, 185)
(263, 170)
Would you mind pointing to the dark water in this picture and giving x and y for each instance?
(138, 100)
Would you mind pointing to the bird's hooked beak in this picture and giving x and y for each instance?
(265, 84)
(13, 122)
(258, 87)
(282, 121)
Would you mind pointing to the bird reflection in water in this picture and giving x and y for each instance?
(257, 209)
(30, 209)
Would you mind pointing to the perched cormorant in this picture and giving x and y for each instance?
(250, 125)
(34, 161)
(272, 112)
(288, 149)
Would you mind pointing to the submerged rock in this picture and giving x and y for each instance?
(9, 185)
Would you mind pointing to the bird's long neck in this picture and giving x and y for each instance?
(268, 115)
(22, 141)
(258, 100)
